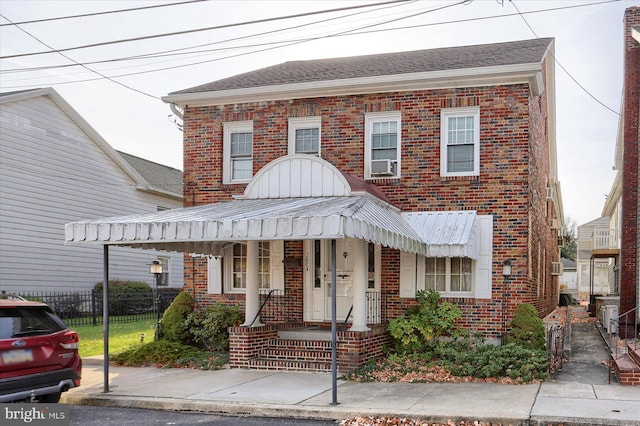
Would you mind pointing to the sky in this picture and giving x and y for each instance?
(116, 83)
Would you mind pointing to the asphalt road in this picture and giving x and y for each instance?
(91, 415)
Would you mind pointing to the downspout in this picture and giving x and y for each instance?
(177, 111)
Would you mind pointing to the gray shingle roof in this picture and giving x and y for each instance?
(158, 176)
(450, 58)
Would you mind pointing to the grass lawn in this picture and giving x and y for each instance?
(121, 336)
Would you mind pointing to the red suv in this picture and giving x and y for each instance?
(38, 354)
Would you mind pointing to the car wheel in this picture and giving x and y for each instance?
(50, 398)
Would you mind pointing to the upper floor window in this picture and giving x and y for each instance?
(238, 152)
(304, 135)
(460, 142)
(382, 144)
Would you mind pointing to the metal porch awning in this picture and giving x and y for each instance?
(447, 233)
(207, 229)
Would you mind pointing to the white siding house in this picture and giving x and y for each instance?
(54, 169)
(593, 271)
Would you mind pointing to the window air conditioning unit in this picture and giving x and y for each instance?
(555, 224)
(556, 268)
(549, 193)
(383, 167)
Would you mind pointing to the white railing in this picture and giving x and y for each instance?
(605, 238)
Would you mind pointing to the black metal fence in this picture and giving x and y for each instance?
(85, 307)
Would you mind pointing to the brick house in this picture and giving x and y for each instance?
(629, 136)
(431, 169)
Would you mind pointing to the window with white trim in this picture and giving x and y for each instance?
(239, 266)
(304, 135)
(228, 272)
(382, 143)
(460, 142)
(238, 151)
(448, 274)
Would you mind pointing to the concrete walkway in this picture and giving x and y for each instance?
(576, 396)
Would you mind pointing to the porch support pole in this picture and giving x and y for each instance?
(334, 328)
(253, 292)
(360, 279)
(105, 317)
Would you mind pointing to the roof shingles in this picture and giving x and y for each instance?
(419, 61)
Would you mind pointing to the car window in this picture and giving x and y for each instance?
(27, 321)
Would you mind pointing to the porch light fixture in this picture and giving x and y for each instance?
(506, 268)
(155, 268)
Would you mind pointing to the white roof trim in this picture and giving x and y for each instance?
(481, 76)
(447, 233)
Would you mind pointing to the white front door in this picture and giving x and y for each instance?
(318, 270)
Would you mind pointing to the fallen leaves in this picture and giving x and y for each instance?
(394, 421)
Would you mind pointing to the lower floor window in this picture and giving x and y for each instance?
(239, 269)
(448, 274)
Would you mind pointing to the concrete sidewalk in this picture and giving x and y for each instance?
(579, 395)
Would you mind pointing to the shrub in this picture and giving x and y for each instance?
(209, 326)
(513, 361)
(163, 353)
(527, 329)
(173, 325)
(126, 297)
(421, 327)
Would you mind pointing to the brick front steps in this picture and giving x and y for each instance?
(627, 367)
(294, 355)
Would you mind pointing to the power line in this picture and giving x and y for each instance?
(592, 96)
(83, 66)
(108, 12)
(287, 44)
(177, 51)
(258, 21)
(167, 53)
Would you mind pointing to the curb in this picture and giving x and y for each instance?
(278, 411)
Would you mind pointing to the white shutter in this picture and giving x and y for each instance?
(482, 288)
(214, 275)
(407, 274)
(276, 253)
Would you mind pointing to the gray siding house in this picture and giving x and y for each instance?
(54, 169)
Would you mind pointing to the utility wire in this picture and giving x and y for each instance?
(101, 13)
(562, 67)
(179, 51)
(83, 66)
(287, 44)
(258, 21)
(175, 52)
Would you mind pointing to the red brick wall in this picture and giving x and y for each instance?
(514, 163)
(631, 95)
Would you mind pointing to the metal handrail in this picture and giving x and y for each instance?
(614, 355)
(264, 302)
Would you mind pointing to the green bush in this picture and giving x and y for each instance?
(173, 325)
(163, 353)
(421, 327)
(209, 326)
(126, 297)
(513, 361)
(527, 329)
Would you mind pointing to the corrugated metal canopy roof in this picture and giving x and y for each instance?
(206, 229)
(446, 233)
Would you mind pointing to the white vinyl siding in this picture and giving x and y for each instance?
(304, 135)
(238, 151)
(460, 142)
(54, 172)
(382, 142)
